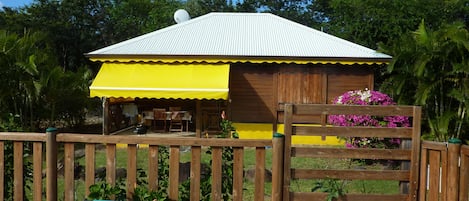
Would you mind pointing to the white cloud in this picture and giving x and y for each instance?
(1, 5)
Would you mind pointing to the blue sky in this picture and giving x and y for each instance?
(14, 3)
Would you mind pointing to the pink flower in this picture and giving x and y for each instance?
(223, 115)
(367, 97)
(349, 145)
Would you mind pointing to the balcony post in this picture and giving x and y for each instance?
(51, 164)
(277, 166)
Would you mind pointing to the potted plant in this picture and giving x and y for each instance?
(104, 191)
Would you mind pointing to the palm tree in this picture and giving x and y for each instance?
(21, 60)
(430, 69)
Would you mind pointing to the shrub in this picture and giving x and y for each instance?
(104, 191)
(367, 97)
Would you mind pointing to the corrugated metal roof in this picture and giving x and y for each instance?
(240, 35)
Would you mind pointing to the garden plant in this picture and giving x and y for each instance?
(368, 97)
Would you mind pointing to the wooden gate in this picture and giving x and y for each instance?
(408, 154)
(444, 174)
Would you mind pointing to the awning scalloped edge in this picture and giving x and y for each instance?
(228, 61)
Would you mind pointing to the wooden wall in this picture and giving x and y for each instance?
(345, 78)
(300, 84)
(256, 90)
(251, 93)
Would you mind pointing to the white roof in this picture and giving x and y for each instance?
(240, 35)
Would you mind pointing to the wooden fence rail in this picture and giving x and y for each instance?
(18, 139)
(444, 171)
(407, 174)
(51, 140)
(432, 171)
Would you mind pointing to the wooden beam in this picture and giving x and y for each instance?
(90, 156)
(275, 101)
(195, 172)
(106, 122)
(198, 118)
(69, 175)
(320, 152)
(51, 165)
(173, 191)
(259, 181)
(216, 173)
(153, 167)
(131, 170)
(396, 175)
(150, 140)
(111, 163)
(18, 171)
(238, 156)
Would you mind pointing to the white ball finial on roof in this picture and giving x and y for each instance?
(181, 15)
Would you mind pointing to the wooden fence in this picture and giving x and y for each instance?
(407, 175)
(444, 172)
(51, 140)
(443, 167)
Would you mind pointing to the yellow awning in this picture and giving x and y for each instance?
(150, 80)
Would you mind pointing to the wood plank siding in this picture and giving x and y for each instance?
(256, 90)
(345, 78)
(299, 84)
(251, 93)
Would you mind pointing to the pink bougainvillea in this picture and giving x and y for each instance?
(367, 97)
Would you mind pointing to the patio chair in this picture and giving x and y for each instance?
(176, 124)
(159, 119)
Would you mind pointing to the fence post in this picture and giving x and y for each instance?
(277, 166)
(51, 164)
(452, 188)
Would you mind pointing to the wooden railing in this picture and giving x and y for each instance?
(443, 168)
(51, 140)
(409, 155)
(444, 171)
(18, 140)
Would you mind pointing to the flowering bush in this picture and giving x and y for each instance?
(367, 97)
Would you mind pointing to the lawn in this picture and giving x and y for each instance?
(366, 186)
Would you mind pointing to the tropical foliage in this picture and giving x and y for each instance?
(430, 68)
(34, 87)
(368, 22)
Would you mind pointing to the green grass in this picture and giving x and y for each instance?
(367, 186)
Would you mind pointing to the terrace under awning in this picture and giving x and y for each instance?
(151, 80)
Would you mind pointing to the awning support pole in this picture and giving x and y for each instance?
(198, 118)
(105, 102)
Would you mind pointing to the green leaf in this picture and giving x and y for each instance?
(421, 34)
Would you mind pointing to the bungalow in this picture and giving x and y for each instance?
(247, 64)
